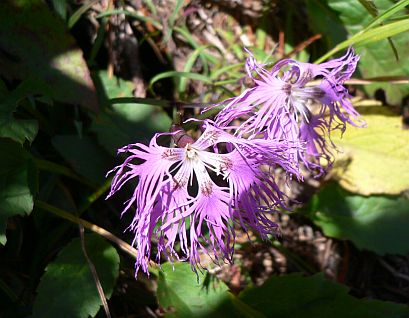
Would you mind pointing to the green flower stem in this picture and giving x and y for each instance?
(88, 225)
(95, 196)
(189, 125)
(59, 169)
(10, 293)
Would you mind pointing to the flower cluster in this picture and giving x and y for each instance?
(188, 198)
(286, 104)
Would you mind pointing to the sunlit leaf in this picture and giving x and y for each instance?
(378, 59)
(286, 296)
(67, 288)
(17, 183)
(373, 160)
(181, 295)
(370, 6)
(376, 223)
(388, 13)
(119, 124)
(35, 45)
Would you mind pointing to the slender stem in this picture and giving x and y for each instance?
(211, 112)
(386, 79)
(10, 293)
(56, 168)
(94, 273)
(95, 196)
(157, 102)
(88, 225)
(372, 80)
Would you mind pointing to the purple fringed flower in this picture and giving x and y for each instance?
(283, 104)
(197, 192)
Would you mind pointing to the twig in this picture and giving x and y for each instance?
(372, 80)
(392, 270)
(303, 45)
(281, 43)
(388, 79)
(88, 225)
(94, 273)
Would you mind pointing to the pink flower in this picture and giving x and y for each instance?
(197, 193)
(282, 105)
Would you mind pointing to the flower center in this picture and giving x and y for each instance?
(191, 152)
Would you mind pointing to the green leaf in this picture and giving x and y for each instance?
(17, 183)
(35, 45)
(310, 297)
(60, 7)
(370, 6)
(183, 294)
(378, 33)
(119, 123)
(80, 11)
(84, 155)
(10, 127)
(376, 223)
(373, 160)
(134, 15)
(189, 64)
(185, 33)
(377, 59)
(176, 74)
(67, 288)
(172, 19)
(388, 13)
(322, 19)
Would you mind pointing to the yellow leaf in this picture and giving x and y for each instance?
(375, 159)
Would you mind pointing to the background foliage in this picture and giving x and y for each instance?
(79, 79)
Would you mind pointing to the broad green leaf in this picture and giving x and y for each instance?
(35, 45)
(373, 160)
(84, 155)
(17, 183)
(325, 20)
(376, 223)
(311, 297)
(67, 288)
(183, 294)
(10, 127)
(119, 124)
(377, 59)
